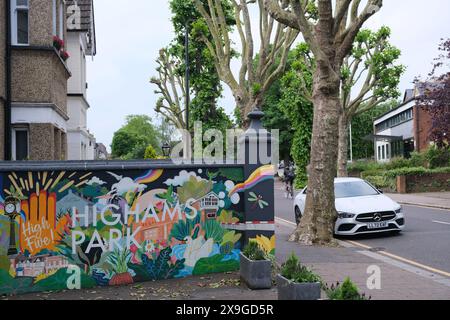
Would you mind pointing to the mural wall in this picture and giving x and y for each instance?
(122, 226)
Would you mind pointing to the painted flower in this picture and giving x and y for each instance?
(149, 247)
(268, 245)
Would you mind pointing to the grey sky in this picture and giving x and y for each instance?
(130, 36)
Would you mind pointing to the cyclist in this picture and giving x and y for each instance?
(289, 177)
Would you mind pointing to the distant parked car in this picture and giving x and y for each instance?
(361, 208)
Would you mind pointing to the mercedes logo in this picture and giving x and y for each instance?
(377, 217)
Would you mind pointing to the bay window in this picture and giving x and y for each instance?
(20, 22)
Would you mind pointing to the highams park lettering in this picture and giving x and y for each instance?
(115, 217)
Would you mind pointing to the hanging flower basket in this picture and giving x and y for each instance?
(65, 55)
(58, 43)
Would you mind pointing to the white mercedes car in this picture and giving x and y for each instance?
(361, 208)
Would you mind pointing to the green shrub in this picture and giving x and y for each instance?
(414, 171)
(378, 181)
(293, 270)
(438, 157)
(404, 172)
(398, 163)
(347, 291)
(360, 166)
(254, 252)
(150, 153)
(372, 173)
(418, 159)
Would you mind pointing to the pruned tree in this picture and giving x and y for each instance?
(330, 31)
(370, 76)
(171, 86)
(204, 84)
(259, 67)
(435, 98)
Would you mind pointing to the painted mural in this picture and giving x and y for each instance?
(119, 227)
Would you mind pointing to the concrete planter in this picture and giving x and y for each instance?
(256, 274)
(288, 290)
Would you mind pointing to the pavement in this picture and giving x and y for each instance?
(439, 200)
(223, 286)
(412, 266)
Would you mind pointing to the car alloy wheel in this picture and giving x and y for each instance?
(298, 215)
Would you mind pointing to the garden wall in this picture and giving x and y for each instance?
(114, 223)
(427, 182)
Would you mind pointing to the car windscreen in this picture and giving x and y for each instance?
(354, 189)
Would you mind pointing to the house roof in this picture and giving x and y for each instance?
(87, 21)
(420, 88)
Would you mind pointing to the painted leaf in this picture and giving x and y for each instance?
(215, 264)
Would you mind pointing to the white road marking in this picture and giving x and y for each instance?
(286, 222)
(441, 222)
(412, 263)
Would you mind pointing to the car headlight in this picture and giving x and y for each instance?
(346, 215)
(399, 210)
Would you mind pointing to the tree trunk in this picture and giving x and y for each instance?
(317, 223)
(343, 146)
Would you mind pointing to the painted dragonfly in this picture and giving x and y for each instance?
(258, 201)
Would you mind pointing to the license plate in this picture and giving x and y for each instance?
(377, 225)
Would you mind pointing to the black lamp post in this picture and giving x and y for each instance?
(166, 149)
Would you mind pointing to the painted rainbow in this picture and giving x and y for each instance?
(150, 176)
(261, 174)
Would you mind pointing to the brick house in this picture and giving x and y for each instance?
(404, 129)
(33, 81)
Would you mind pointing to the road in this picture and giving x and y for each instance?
(425, 241)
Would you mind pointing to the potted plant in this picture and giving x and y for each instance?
(119, 262)
(58, 43)
(346, 291)
(297, 282)
(255, 268)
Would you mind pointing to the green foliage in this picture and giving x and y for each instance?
(380, 182)
(226, 217)
(363, 165)
(123, 143)
(347, 291)
(150, 153)
(130, 141)
(233, 174)
(58, 281)
(119, 260)
(4, 263)
(414, 171)
(182, 229)
(253, 251)
(194, 189)
(206, 87)
(438, 157)
(214, 264)
(293, 270)
(160, 269)
(213, 229)
(10, 285)
(229, 240)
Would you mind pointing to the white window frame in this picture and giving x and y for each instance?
(13, 145)
(14, 9)
(61, 19)
(54, 17)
